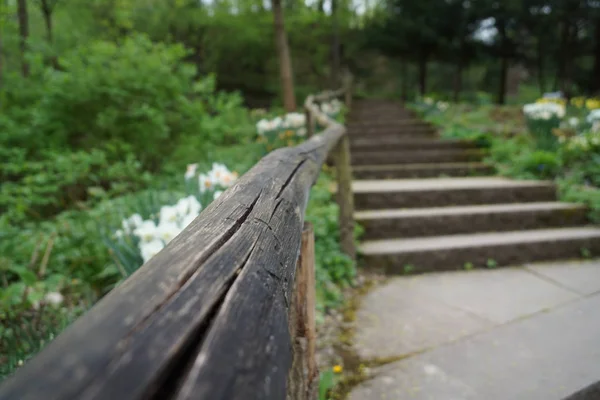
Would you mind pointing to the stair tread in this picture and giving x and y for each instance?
(402, 167)
(433, 243)
(416, 185)
(467, 210)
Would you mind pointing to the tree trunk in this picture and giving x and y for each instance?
(285, 62)
(423, 74)
(596, 70)
(563, 54)
(24, 34)
(501, 25)
(458, 80)
(47, 13)
(503, 75)
(540, 67)
(321, 6)
(335, 45)
(404, 74)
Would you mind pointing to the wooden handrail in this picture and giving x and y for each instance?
(212, 315)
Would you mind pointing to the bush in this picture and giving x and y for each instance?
(35, 190)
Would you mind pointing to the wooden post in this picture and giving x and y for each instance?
(310, 123)
(345, 197)
(303, 377)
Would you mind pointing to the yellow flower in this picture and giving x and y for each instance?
(289, 133)
(282, 135)
(578, 101)
(592, 104)
(337, 369)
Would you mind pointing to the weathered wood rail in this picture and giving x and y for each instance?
(225, 311)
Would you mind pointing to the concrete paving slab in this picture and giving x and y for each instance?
(499, 296)
(580, 276)
(545, 357)
(397, 320)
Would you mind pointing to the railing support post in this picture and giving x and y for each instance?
(345, 197)
(310, 123)
(303, 378)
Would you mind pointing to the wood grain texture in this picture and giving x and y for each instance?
(207, 317)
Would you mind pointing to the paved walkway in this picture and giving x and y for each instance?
(508, 334)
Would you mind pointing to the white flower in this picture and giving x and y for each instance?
(190, 171)
(168, 215)
(301, 132)
(146, 231)
(217, 194)
(593, 116)
(428, 101)
(167, 231)
(596, 126)
(53, 298)
(118, 233)
(263, 126)
(294, 120)
(205, 182)
(187, 220)
(188, 205)
(442, 105)
(573, 121)
(131, 223)
(150, 249)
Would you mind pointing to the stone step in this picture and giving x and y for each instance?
(395, 143)
(427, 170)
(412, 157)
(442, 192)
(438, 253)
(396, 122)
(385, 224)
(389, 130)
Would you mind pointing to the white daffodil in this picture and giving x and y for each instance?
(301, 132)
(205, 183)
(168, 215)
(150, 249)
(263, 126)
(187, 220)
(217, 194)
(573, 121)
(53, 298)
(131, 223)
(167, 231)
(190, 171)
(146, 231)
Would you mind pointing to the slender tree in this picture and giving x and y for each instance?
(285, 62)
(23, 18)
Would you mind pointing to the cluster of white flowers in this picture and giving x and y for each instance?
(594, 116)
(585, 142)
(292, 121)
(331, 108)
(152, 237)
(218, 177)
(440, 105)
(172, 219)
(544, 111)
(573, 122)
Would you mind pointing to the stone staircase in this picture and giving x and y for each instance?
(429, 204)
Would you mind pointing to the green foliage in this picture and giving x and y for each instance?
(56, 181)
(334, 269)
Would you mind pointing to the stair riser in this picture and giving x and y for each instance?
(389, 131)
(503, 255)
(453, 197)
(393, 137)
(386, 123)
(471, 223)
(416, 157)
(422, 173)
(375, 146)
